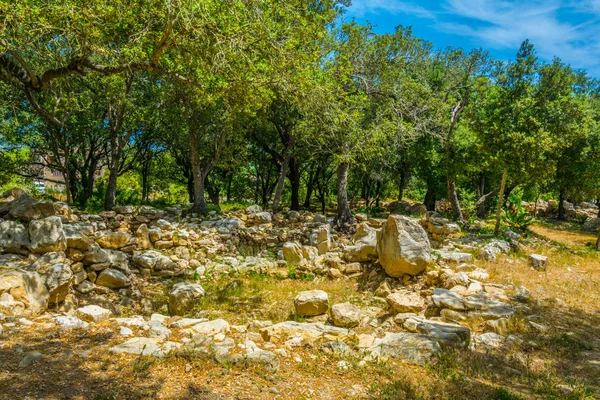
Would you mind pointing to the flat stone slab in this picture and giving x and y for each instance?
(446, 334)
(306, 331)
(145, 346)
(444, 298)
(414, 348)
(454, 256)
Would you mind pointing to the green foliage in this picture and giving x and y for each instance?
(518, 217)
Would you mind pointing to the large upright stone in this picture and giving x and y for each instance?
(403, 246)
(292, 253)
(47, 235)
(26, 287)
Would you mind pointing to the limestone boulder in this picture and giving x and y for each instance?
(365, 245)
(415, 348)
(112, 240)
(93, 313)
(292, 253)
(183, 296)
(113, 278)
(47, 235)
(406, 302)
(538, 262)
(25, 287)
(25, 209)
(311, 302)
(13, 237)
(403, 246)
(345, 315)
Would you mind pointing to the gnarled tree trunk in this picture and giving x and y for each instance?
(344, 217)
(500, 201)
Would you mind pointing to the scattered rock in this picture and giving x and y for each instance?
(403, 247)
(406, 302)
(345, 315)
(538, 262)
(311, 303)
(93, 313)
(183, 296)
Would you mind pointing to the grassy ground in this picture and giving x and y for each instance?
(560, 359)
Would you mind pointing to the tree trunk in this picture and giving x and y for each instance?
(453, 199)
(480, 204)
(229, 184)
(199, 203)
(402, 184)
(214, 193)
(500, 201)
(280, 183)
(310, 187)
(111, 189)
(429, 200)
(190, 187)
(561, 204)
(295, 183)
(344, 217)
(145, 181)
(377, 193)
(88, 180)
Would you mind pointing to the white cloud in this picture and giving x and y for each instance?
(564, 28)
(362, 7)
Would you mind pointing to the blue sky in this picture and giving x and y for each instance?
(568, 29)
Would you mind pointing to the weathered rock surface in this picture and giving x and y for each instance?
(311, 303)
(414, 348)
(345, 315)
(403, 246)
(112, 278)
(538, 262)
(183, 296)
(406, 302)
(26, 288)
(47, 235)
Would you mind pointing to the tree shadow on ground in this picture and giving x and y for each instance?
(558, 360)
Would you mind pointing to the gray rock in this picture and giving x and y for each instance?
(491, 339)
(304, 330)
(145, 346)
(112, 240)
(403, 246)
(93, 313)
(112, 278)
(25, 287)
(414, 348)
(345, 315)
(365, 245)
(263, 217)
(311, 302)
(538, 262)
(183, 296)
(444, 298)
(445, 333)
(29, 358)
(406, 302)
(454, 256)
(13, 237)
(47, 235)
(25, 208)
